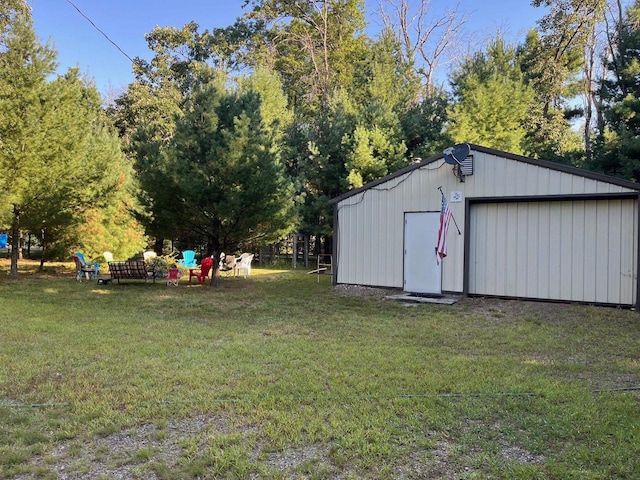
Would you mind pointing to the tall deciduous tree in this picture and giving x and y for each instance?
(428, 41)
(553, 59)
(312, 44)
(619, 143)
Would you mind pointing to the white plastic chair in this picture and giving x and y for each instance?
(244, 263)
(149, 256)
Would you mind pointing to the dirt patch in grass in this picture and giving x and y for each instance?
(505, 309)
(131, 453)
(362, 291)
(153, 452)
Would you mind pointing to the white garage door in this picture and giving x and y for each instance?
(565, 250)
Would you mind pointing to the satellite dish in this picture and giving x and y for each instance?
(455, 155)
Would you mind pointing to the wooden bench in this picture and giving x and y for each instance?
(131, 270)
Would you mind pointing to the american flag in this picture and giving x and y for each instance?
(445, 218)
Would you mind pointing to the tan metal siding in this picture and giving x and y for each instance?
(370, 243)
(371, 229)
(570, 250)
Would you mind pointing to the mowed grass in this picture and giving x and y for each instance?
(281, 376)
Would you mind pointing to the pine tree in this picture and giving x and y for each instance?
(24, 66)
(618, 146)
(58, 155)
(492, 100)
(224, 164)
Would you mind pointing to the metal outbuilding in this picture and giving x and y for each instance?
(522, 228)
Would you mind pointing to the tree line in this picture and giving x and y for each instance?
(237, 136)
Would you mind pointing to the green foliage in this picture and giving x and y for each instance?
(424, 126)
(24, 65)
(334, 105)
(94, 211)
(207, 154)
(487, 115)
(145, 117)
(552, 59)
(276, 115)
(60, 157)
(371, 154)
(111, 228)
(315, 44)
(162, 263)
(384, 85)
(318, 157)
(493, 101)
(224, 164)
(618, 147)
(382, 91)
(358, 134)
(337, 109)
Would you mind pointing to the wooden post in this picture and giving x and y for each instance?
(294, 259)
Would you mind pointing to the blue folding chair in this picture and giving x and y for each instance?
(3, 240)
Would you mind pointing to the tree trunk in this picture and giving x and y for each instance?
(328, 244)
(158, 246)
(44, 249)
(15, 241)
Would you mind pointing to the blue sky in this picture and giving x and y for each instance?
(78, 43)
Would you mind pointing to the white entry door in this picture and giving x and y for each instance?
(422, 274)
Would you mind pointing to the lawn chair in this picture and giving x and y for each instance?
(227, 264)
(188, 259)
(173, 277)
(149, 256)
(202, 272)
(3, 240)
(89, 270)
(96, 265)
(244, 265)
(108, 256)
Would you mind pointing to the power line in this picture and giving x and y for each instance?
(341, 397)
(98, 29)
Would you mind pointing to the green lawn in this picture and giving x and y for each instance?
(281, 376)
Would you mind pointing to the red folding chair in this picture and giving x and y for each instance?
(173, 277)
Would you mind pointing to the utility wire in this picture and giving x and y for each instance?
(353, 397)
(98, 29)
